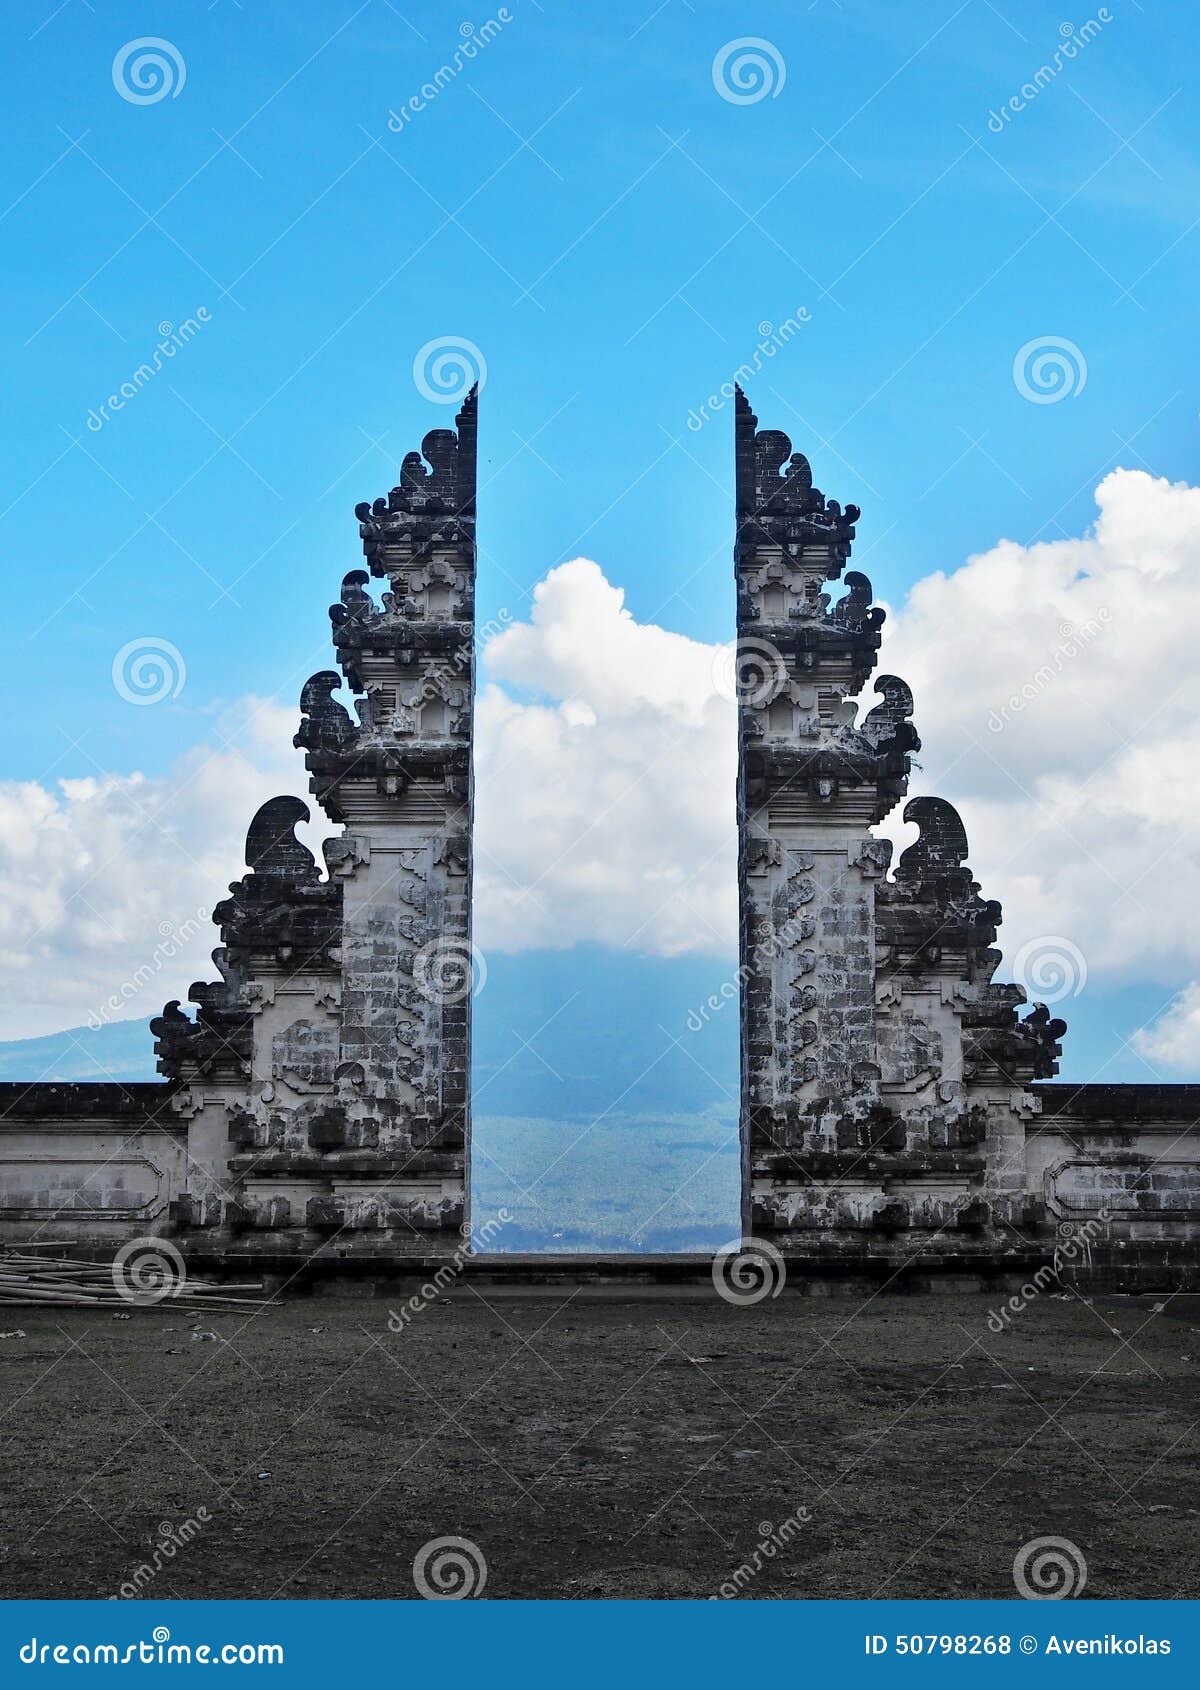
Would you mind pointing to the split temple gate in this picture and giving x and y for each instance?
(898, 1113)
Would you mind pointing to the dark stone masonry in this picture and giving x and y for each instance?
(316, 1105)
(897, 1123)
(891, 1110)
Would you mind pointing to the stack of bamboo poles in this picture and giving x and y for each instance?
(31, 1280)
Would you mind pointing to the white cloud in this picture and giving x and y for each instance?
(605, 806)
(104, 876)
(1058, 699)
(1057, 696)
(605, 812)
(1173, 1040)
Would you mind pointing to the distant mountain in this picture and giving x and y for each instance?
(605, 1097)
(605, 1091)
(123, 1050)
(646, 1183)
(557, 1033)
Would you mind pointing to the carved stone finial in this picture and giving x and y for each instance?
(325, 724)
(272, 848)
(856, 611)
(354, 600)
(435, 495)
(891, 721)
(777, 504)
(942, 845)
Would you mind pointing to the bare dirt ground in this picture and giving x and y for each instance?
(600, 1448)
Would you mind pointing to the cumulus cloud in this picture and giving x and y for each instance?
(1057, 697)
(605, 766)
(109, 880)
(1173, 1040)
(605, 786)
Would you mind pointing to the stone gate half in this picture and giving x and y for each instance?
(890, 1111)
(325, 1077)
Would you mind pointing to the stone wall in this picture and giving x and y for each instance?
(1114, 1173)
(95, 1164)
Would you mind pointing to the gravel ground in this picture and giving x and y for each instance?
(593, 1447)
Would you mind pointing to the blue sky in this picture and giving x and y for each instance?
(584, 206)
